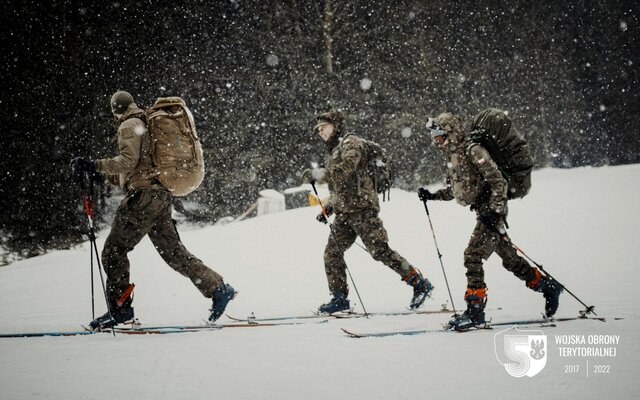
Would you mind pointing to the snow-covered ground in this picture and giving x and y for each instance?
(583, 225)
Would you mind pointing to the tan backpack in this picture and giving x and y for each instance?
(176, 152)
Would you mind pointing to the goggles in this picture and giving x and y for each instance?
(437, 133)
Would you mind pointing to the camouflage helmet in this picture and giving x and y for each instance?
(120, 101)
(453, 124)
(334, 117)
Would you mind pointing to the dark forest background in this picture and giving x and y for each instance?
(255, 73)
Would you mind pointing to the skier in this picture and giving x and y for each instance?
(474, 179)
(146, 209)
(355, 204)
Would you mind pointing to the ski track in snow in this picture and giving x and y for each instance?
(581, 224)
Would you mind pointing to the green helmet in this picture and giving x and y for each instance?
(120, 101)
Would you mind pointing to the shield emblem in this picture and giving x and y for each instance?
(521, 352)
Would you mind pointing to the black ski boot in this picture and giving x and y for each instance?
(221, 297)
(120, 311)
(421, 288)
(339, 302)
(474, 314)
(551, 291)
(117, 315)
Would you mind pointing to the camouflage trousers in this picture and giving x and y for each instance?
(482, 244)
(145, 212)
(347, 227)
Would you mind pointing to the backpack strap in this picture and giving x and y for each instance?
(474, 138)
(468, 146)
(140, 115)
(346, 136)
(358, 170)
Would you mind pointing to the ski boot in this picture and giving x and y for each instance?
(119, 312)
(551, 291)
(421, 288)
(221, 297)
(118, 315)
(339, 302)
(474, 314)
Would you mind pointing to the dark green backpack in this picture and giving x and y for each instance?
(491, 128)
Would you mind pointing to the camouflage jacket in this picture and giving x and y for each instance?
(352, 190)
(131, 168)
(473, 178)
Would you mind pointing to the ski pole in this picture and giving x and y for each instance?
(588, 309)
(335, 238)
(502, 234)
(88, 208)
(433, 233)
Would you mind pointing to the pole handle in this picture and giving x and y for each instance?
(324, 210)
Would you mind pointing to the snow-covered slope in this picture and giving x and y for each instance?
(583, 225)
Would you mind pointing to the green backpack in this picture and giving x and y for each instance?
(491, 128)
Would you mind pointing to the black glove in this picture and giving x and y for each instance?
(493, 221)
(424, 194)
(79, 165)
(321, 218)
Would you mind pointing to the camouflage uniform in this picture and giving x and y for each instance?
(474, 179)
(355, 203)
(146, 209)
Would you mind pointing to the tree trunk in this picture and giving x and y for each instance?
(327, 24)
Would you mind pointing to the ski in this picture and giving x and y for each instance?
(338, 315)
(388, 333)
(43, 334)
(85, 331)
(139, 329)
(544, 322)
(314, 316)
(541, 322)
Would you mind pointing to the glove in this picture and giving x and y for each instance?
(424, 194)
(493, 221)
(313, 175)
(80, 166)
(321, 218)
(318, 174)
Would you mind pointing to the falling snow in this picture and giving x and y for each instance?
(255, 73)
